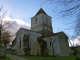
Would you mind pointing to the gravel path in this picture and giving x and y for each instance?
(15, 57)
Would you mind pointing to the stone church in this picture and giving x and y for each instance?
(40, 40)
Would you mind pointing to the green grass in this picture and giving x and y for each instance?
(6, 58)
(49, 58)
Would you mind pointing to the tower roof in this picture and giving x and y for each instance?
(40, 11)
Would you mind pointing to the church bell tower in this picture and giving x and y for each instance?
(41, 23)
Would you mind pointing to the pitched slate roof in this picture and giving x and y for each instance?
(40, 11)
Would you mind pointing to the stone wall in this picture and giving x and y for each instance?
(58, 45)
(63, 45)
(33, 43)
(35, 47)
(52, 45)
(41, 22)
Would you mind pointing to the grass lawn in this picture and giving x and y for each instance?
(6, 58)
(48, 58)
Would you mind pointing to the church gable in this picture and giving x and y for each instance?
(62, 35)
(19, 31)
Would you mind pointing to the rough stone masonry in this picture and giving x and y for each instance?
(40, 40)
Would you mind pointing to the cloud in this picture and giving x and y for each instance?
(75, 42)
(18, 23)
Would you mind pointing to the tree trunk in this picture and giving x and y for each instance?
(3, 51)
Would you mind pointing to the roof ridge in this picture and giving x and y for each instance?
(40, 11)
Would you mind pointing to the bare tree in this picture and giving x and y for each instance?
(67, 8)
(77, 26)
(70, 6)
(5, 34)
(74, 47)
